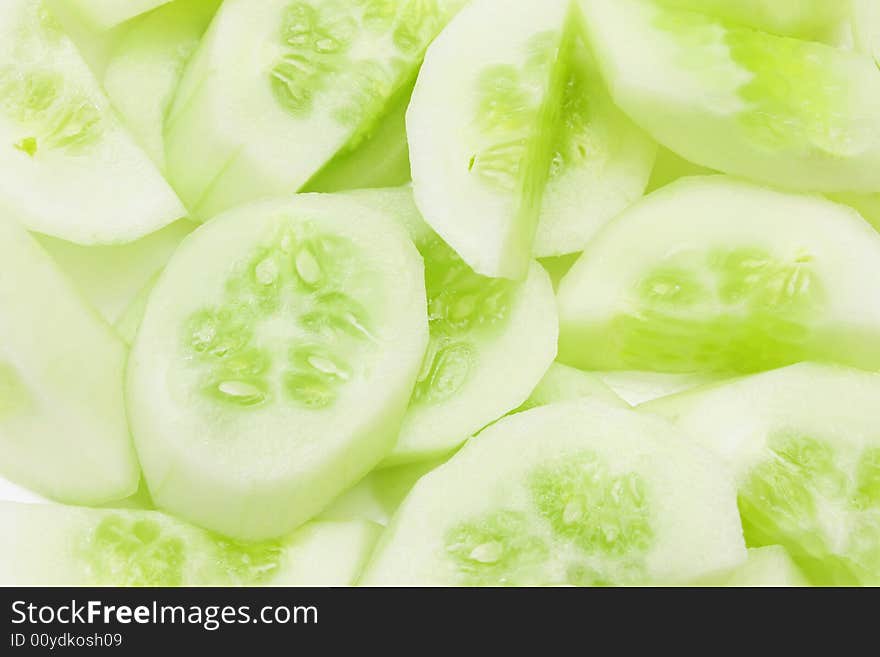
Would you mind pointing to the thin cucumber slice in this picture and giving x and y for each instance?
(274, 363)
(669, 167)
(563, 383)
(724, 276)
(640, 387)
(491, 341)
(147, 63)
(769, 566)
(66, 546)
(576, 493)
(63, 431)
(105, 14)
(804, 444)
(279, 87)
(68, 168)
(793, 113)
(866, 27)
(109, 277)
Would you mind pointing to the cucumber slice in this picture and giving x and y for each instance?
(866, 27)
(491, 341)
(11, 492)
(65, 546)
(640, 387)
(274, 362)
(146, 66)
(793, 113)
(68, 168)
(105, 14)
(573, 493)
(563, 383)
(279, 87)
(804, 444)
(723, 276)
(63, 432)
(769, 566)
(109, 277)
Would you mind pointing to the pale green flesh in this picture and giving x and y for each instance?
(563, 383)
(282, 341)
(105, 14)
(793, 113)
(63, 430)
(640, 387)
(769, 566)
(320, 74)
(735, 278)
(67, 167)
(130, 320)
(491, 341)
(47, 544)
(804, 445)
(669, 167)
(866, 27)
(582, 506)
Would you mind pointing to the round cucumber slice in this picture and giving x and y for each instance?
(793, 113)
(723, 276)
(576, 493)
(804, 444)
(63, 431)
(277, 88)
(105, 14)
(563, 383)
(274, 363)
(65, 546)
(491, 341)
(534, 156)
(147, 63)
(67, 167)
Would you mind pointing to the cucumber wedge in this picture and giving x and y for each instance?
(792, 113)
(67, 167)
(66, 546)
(575, 493)
(274, 362)
(723, 276)
(491, 341)
(278, 88)
(63, 431)
(147, 63)
(804, 444)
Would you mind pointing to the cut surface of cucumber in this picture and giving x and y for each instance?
(105, 14)
(564, 383)
(278, 88)
(533, 156)
(66, 546)
(578, 493)
(274, 362)
(793, 113)
(147, 63)
(130, 320)
(866, 27)
(640, 387)
(491, 341)
(67, 166)
(63, 431)
(110, 277)
(804, 444)
(733, 278)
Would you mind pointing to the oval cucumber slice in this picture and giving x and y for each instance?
(274, 363)
(66, 546)
(574, 493)
(63, 430)
(723, 276)
(147, 63)
(804, 444)
(105, 14)
(278, 88)
(491, 341)
(792, 113)
(67, 167)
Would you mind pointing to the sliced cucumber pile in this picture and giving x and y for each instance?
(804, 444)
(67, 166)
(789, 112)
(574, 493)
(279, 87)
(63, 431)
(274, 362)
(731, 278)
(491, 341)
(55, 545)
(533, 157)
